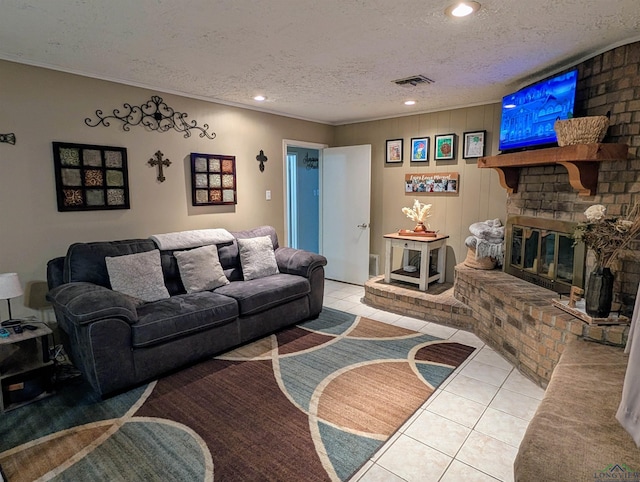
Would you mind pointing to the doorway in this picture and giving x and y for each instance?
(303, 196)
(316, 199)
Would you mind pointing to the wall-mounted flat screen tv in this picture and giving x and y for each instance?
(528, 115)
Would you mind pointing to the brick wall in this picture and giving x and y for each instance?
(518, 320)
(607, 82)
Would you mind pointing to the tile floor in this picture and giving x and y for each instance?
(470, 429)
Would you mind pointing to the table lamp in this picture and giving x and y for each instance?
(9, 288)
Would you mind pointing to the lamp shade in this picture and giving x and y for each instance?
(9, 286)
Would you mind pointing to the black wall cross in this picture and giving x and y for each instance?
(158, 161)
(261, 158)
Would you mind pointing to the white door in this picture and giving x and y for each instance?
(345, 198)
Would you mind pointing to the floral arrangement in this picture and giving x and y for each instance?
(607, 237)
(419, 212)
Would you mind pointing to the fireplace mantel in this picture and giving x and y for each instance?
(581, 162)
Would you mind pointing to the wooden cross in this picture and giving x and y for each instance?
(262, 159)
(158, 161)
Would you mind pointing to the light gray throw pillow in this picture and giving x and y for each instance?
(200, 269)
(257, 257)
(138, 275)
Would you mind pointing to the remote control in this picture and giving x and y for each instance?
(7, 323)
(18, 329)
(30, 327)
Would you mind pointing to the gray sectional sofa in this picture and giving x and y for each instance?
(118, 341)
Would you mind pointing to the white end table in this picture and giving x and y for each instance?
(425, 245)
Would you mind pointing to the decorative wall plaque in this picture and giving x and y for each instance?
(213, 179)
(90, 177)
(438, 182)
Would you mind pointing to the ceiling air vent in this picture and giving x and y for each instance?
(413, 81)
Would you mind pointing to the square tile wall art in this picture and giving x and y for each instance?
(213, 179)
(90, 178)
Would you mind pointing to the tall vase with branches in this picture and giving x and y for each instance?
(607, 237)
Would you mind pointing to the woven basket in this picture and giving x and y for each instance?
(581, 130)
(480, 263)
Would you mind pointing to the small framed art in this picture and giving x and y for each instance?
(394, 151)
(419, 149)
(473, 145)
(90, 177)
(444, 147)
(213, 179)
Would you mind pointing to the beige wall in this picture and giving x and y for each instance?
(41, 106)
(480, 195)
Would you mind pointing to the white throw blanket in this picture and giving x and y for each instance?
(192, 239)
(487, 239)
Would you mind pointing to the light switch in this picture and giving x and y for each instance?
(268, 195)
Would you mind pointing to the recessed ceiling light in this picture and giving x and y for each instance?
(409, 102)
(259, 98)
(462, 9)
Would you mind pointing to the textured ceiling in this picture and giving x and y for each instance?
(330, 61)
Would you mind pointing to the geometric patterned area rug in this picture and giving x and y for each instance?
(313, 402)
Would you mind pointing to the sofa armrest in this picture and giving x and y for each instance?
(83, 303)
(298, 261)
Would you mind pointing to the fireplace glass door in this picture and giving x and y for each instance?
(544, 256)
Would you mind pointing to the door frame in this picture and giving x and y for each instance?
(286, 143)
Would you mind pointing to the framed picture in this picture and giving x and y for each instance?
(419, 149)
(444, 147)
(90, 177)
(213, 179)
(473, 145)
(394, 151)
(440, 182)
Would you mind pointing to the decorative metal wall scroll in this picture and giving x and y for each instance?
(155, 115)
(8, 138)
(261, 158)
(310, 162)
(90, 177)
(213, 179)
(158, 161)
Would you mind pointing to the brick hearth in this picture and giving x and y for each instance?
(515, 318)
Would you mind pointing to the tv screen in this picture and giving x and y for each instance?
(528, 115)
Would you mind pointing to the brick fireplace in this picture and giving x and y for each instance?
(609, 82)
(513, 316)
(517, 318)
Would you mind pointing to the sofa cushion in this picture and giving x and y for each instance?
(229, 256)
(574, 434)
(200, 269)
(138, 275)
(86, 261)
(261, 294)
(257, 257)
(181, 315)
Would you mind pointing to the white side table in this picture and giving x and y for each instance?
(425, 245)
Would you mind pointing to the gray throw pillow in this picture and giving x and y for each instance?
(200, 269)
(138, 275)
(257, 257)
